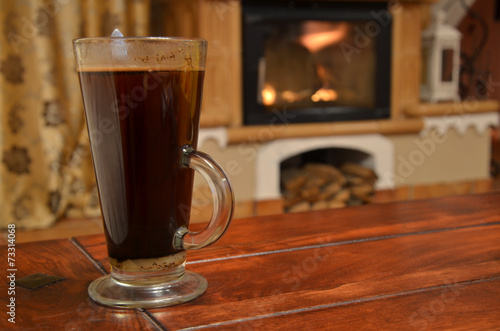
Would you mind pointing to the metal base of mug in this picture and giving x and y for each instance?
(109, 291)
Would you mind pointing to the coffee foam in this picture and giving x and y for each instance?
(153, 264)
(135, 69)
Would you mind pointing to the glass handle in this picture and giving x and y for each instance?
(223, 201)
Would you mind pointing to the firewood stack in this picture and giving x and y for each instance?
(321, 186)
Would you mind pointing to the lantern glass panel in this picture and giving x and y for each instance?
(447, 65)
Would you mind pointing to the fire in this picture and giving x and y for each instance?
(290, 96)
(324, 94)
(321, 34)
(268, 95)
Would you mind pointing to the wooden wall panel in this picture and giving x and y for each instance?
(407, 56)
(219, 22)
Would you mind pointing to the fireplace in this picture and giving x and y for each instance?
(316, 61)
(372, 151)
(419, 144)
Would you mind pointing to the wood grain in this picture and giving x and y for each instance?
(290, 280)
(287, 231)
(273, 266)
(441, 308)
(420, 265)
(248, 134)
(451, 108)
(64, 305)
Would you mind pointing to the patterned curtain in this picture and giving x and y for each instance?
(45, 164)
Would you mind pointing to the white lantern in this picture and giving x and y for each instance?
(441, 61)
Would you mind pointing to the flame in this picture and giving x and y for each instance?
(268, 95)
(318, 35)
(290, 96)
(324, 94)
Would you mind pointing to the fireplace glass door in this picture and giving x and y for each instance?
(315, 61)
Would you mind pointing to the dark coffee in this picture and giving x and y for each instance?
(138, 122)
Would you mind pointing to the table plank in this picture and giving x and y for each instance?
(280, 265)
(288, 231)
(64, 305)
(285, 281)
(458, 307)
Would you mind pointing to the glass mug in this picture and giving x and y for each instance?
(142, 100)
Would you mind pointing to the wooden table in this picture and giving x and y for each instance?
(421, 265)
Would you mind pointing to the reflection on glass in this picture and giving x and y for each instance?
(311, 64)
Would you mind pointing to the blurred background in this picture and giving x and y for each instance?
(307, 104)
